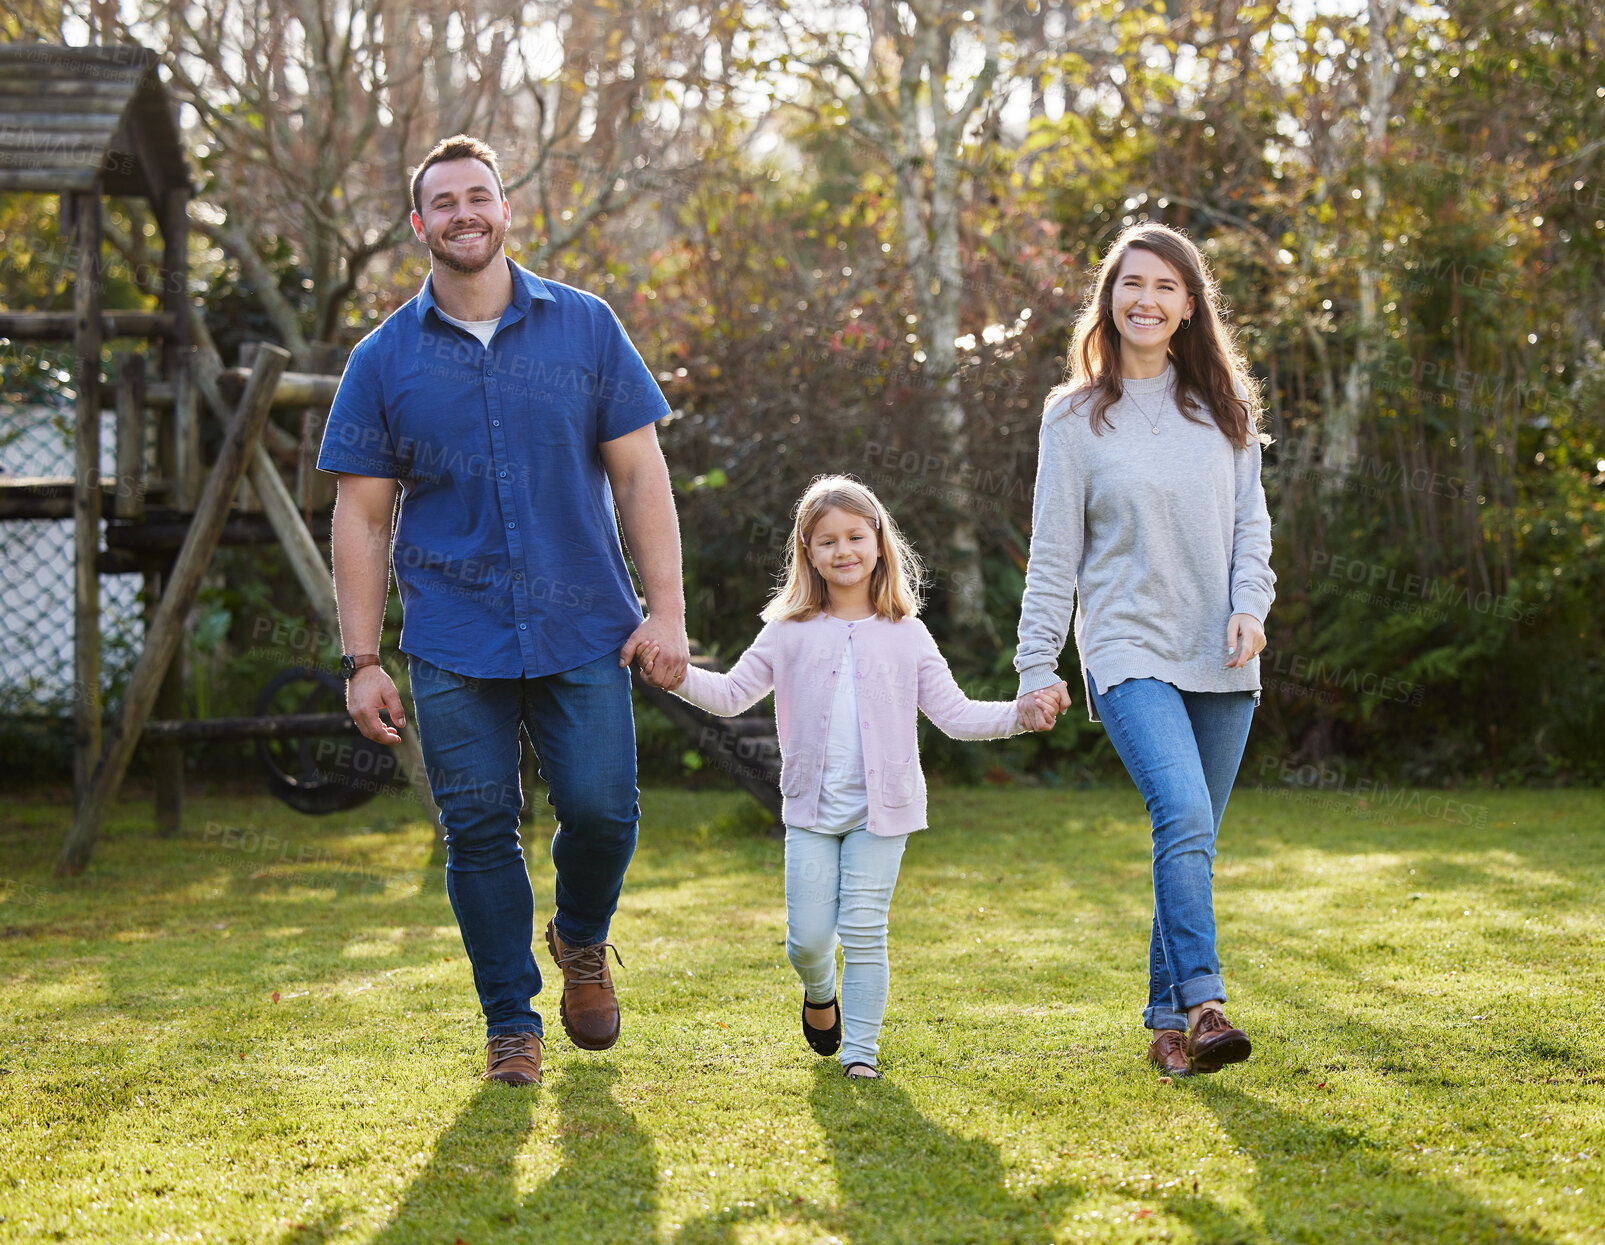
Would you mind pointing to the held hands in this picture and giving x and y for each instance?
(368, 692)
(655, 669)
(1244, 640)
(1039, 709)
(664, 645)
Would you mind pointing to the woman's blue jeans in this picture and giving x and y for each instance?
(1182, 749)
(581, 725)
(840, 885)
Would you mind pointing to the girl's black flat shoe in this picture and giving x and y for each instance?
(824, 1041)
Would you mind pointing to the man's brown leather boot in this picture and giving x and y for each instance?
(1168, 1053)
(590, 1009)
(1215, 1042)
(513, 1058)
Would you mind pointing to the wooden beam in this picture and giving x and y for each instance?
(295, 388)
(61, 325)
(51, 497)
(26, 176)
(284, 726)
(84, 211)
(129, 502)
(167, 630)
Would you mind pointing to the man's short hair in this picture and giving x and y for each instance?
(457, 147)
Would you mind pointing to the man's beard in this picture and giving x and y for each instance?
(440, 251)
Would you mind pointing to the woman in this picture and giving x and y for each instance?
(1149, 509)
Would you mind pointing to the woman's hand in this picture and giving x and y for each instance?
(1039, 709)
(1244, 640)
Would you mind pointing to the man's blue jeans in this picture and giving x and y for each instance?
(1182, 749)
(583, 730)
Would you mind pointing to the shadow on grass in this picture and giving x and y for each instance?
(605, 1188)
(901, 1178)
(1321, 1182)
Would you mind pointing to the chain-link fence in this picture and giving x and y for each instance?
(36, 580)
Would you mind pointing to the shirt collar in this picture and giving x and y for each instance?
(526, 288)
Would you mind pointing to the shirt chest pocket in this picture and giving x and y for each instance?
(555, 402)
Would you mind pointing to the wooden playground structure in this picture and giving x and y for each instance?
(84, 123)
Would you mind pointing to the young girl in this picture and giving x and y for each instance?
(849, 663)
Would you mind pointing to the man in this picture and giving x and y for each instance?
(513, 412)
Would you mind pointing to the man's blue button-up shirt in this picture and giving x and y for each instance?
(506, 551)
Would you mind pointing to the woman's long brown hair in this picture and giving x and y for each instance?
(1210, 369)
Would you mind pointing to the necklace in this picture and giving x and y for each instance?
(1152, 422)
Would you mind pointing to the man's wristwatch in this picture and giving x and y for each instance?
(350, 664)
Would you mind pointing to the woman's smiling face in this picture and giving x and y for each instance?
(1149, 300)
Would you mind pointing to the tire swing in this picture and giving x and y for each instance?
(318, 773)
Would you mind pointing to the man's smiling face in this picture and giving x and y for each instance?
(464, 217)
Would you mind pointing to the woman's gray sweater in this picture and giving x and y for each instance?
(1161, 537)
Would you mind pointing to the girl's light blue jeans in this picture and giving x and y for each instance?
(1182, 749)
(840, 885)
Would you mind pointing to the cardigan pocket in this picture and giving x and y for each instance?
(900, 783)
(795, 773)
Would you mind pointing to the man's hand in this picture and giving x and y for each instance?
(367, 692)
(1244, 640)
(654, 669)
(662, 643)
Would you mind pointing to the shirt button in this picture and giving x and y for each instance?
(518, 574)
(504, 475)
(495, 423)
(510, 526)
(523, 626)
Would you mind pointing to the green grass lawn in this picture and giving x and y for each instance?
(215, 1038)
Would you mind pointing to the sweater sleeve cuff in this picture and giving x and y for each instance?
(1257, 605)
(1035, 678)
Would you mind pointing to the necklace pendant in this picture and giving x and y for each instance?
(1156, 432)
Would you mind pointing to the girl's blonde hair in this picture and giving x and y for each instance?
(1210, 368)
(893, 584)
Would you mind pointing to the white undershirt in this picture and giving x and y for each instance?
(482, 329)
(843, 798)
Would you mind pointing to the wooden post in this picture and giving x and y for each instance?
(180, 430)
(167, 631)
(82, 209)
(167, 756)
(129, 496)
(187, 442)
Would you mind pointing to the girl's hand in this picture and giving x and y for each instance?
(1034, 711)
(1244, 640)
(648, 655)
(1048, 704)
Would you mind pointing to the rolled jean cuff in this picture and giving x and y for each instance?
(1200, 990)
(1157, 1017)
(515, 1026)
